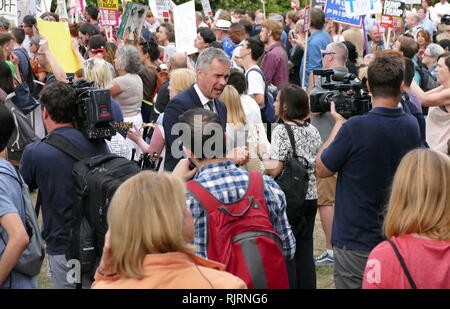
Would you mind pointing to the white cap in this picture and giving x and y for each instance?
(222, 24)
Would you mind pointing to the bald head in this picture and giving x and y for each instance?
(178, 61)
(340, 56)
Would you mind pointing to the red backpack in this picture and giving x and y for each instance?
(241, 236)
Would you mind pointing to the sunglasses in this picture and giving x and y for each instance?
(327, 53)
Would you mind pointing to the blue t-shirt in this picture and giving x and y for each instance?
(11, 201)
(366, 153)
(228, 46)
(47, 168)
(316, 42)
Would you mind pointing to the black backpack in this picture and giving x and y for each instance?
(96, 179)
(427, 81)
(294, 181)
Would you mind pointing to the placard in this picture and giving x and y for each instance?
(207, 8)
(362, 7)
(163, 8)
(392, 14)
(132, 19)
(185, 27)
(295, 4)
(307, 19)
(62, 9)
(23, 9)
(108, 13)
(60, 44)
(335, 9)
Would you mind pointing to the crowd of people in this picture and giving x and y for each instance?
(379, 178)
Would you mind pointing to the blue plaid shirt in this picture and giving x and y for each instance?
(228, 184)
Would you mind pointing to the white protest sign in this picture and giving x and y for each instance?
(8, 9)
(412, 1)
(207, 8)
(152, 5)
(362, 7)
(163, 7)
(62, 9)
(23, 9)
(185, 27)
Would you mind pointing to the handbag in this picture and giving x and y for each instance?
(23, 99)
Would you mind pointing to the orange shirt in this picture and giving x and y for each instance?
(174, 270)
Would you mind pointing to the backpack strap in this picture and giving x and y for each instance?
(210, 203)
(291, 138)
(63, 144)
(403, 264)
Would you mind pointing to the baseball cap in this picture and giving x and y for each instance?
(222, 24)
(29, 20)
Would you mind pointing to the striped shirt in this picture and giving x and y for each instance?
(228, 184)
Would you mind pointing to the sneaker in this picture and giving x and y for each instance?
(324, 259)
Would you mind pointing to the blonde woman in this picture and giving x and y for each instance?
(98, 71)
(241, 132)
(147, 246)
(418, 225)
(180, 80)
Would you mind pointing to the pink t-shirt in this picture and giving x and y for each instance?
(428, 262)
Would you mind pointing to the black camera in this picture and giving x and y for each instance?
(348, 95)
(94, 112)
(445, 19)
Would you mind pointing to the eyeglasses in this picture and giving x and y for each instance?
(327, 53)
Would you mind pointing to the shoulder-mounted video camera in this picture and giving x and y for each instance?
(94, 111)
(344, 90)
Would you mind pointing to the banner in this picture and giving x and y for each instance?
(8, 9)
(108, 12)
(335, 9)
(59, 43)
(185, 27)
(207, 8)
(132, 19)
(307, 19)
(392, 14)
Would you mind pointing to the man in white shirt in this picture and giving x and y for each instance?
(442, 8)
(251, 50)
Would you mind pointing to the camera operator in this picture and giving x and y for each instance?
(366, 151)
(47, 168)
(334, 57)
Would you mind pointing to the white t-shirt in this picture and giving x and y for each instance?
(251, 109)
(442, 9)
(255, 82)
(236, 52)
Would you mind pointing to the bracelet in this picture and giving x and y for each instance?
(260, 155)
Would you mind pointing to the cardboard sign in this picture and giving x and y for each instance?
(207, 8)
(132, 19)
(8, 9)
(335, 9)
(185, 27)
(60, 44)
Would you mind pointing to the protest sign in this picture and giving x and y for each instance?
(362, 7)
(8, 9)
(62, 9)
(163, 7)
(132, 19)
(392, 14)
(152, 5)
(207, 8)
(23, 9)
(108, 12)
(295, 4)
(59, 43)
(185, 27)
(335, 9)
(307, 19)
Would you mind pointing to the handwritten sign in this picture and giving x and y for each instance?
(185, 27)
(8, 9)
